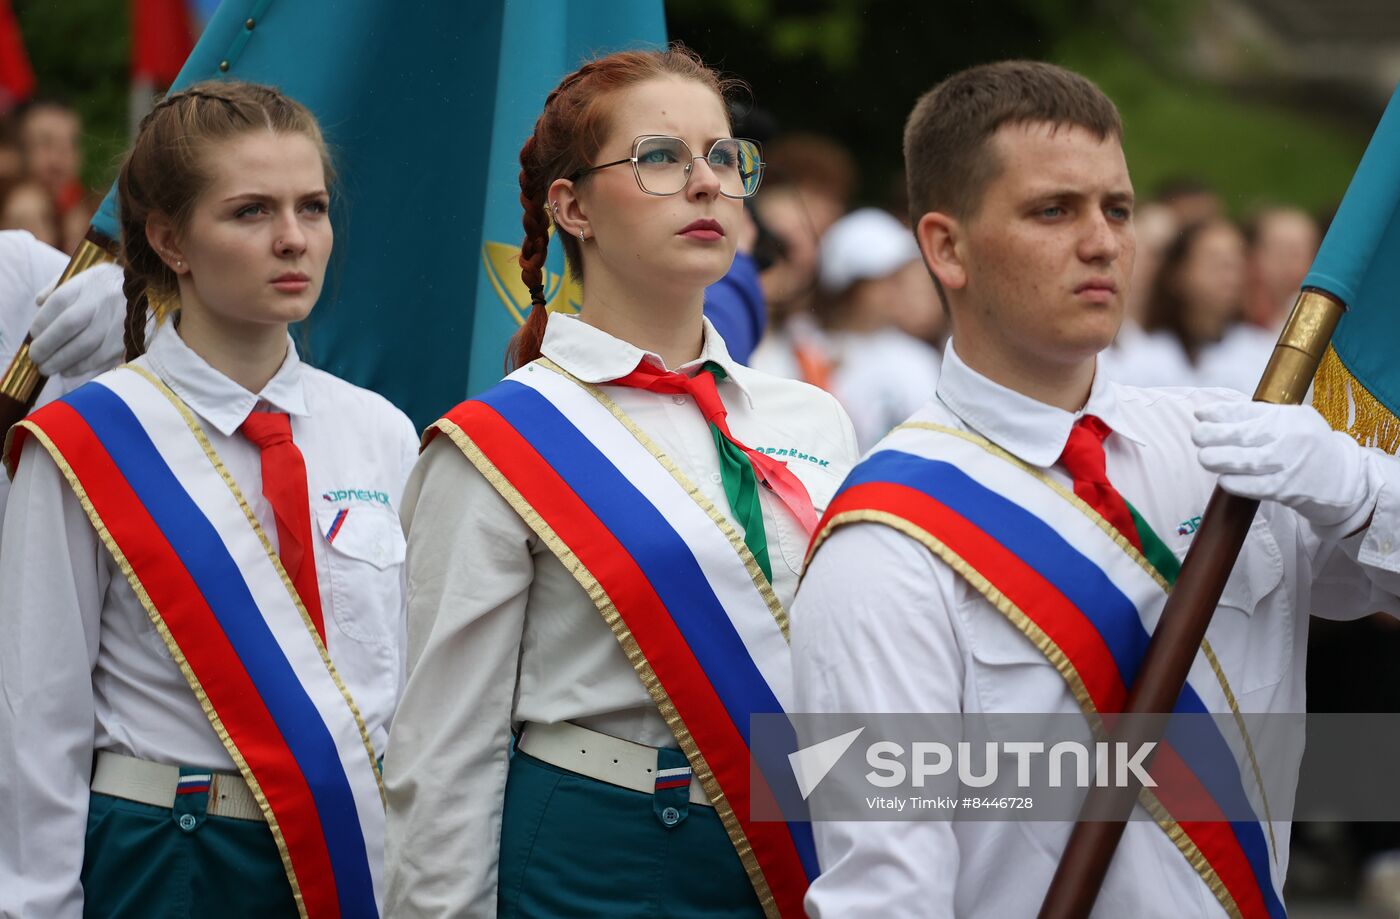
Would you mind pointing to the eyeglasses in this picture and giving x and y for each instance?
(663, 165)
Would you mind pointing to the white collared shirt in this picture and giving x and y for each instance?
(500, 633)
(83, 669)
(882, 625)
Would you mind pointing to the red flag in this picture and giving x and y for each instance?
(16, 76)
(161, 39)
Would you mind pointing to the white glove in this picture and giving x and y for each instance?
(1289, 454)
(78, 329)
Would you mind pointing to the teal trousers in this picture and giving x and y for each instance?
(575, 847)
(144, 862)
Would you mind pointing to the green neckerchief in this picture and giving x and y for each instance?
(1153, 549)
(741, 487)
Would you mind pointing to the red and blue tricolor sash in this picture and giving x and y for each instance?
(182, 533)
(1085, 597)
(671, 577)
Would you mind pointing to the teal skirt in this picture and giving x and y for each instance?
(576, 847)
(146, 862)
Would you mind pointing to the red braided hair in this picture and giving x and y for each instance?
(567, 136)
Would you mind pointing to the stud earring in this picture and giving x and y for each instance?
(179, 264)
(581, 237)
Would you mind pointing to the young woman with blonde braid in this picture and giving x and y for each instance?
(201, 618)
(601, 548)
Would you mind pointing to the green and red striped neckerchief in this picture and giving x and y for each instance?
(1083, 458)
(741, 468)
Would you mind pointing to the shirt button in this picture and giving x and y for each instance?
(716, 478)
(1387, 546)
(670, 816)
(679, 400)
(187, 822)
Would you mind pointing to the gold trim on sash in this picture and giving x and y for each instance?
(571, 562)
(158, 622)
(175, 653)
(198, 431)
(726, 526)
(1214, 661)
(1058, 659)
(1142, 561)
(1083, 506)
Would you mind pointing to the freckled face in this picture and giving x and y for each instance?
(1049, 251)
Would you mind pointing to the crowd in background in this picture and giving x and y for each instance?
(852, 309)
(41, 159)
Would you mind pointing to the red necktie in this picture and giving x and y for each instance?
(770, 472)
(1083, 459)
(284, 487)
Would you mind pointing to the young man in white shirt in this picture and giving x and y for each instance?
(1022, 207)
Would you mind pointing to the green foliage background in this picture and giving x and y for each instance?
(853, 68)
(1252, 153)
(81, 52)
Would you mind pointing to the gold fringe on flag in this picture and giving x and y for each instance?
(1348, 406)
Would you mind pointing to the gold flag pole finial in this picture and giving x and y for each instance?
(1183, 622)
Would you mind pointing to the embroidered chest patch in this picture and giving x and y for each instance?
(794, 453)
(356, 494)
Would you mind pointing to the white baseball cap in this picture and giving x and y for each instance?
(867, 243)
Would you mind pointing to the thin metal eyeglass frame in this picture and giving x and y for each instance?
(689, 167)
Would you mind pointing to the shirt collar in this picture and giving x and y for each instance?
(594, 356)
(213, 396)
(1025, 427)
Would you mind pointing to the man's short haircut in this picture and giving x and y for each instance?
(946, 154)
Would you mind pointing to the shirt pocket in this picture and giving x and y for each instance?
(1252, 631)
(1010, 675)
(791, 538)
(364, 559)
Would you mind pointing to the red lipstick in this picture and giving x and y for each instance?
(704, 229)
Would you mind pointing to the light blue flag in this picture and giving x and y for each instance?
(1358, 385)
(425, 106)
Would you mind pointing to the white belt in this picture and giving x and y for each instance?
(599, 756)
(156, 784)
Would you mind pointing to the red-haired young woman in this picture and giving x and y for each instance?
(602, 547)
